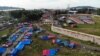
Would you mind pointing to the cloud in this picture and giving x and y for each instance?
(31, 4)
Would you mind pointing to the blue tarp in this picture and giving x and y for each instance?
(26, 41)
(58, 41)
(72, 45)
(20, 46)
(26, 37)
(44, 37)
(2, 50)
(52, 52)
(30, 30)
(22, 29)
(65, 43)
(13, 38)
(14, 52)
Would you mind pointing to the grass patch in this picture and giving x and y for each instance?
(89, 28)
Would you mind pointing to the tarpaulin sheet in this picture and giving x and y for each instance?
(20, 46)
(2, 50)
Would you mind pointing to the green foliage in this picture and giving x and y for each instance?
(98, 11)
(23, 18)
(29, 15)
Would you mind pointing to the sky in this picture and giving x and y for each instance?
(50, 4)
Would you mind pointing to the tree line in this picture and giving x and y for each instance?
(26, 15)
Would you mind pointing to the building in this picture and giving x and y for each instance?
(83, 9)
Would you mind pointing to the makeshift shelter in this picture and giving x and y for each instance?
(14, 52)
(26, 41)
(20, 46)
(50, 52)
(22, 29)
(45, 52)
(72, 45)
(44, 37)
(26, 37)
(2, 50)
(65, 43)
(13, 38)
(52, 36)
(58, 41)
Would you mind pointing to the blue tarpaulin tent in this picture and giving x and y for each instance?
(22, 29)
(20, 46)
(13, 38)
(30, 30)
(52, 52)
(14, 52)
(26, 41)
(58, 41)
(2, 50)
(44, 37)
(65, 43)
(72, 45)
(26, 37)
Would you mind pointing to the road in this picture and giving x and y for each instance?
(14, 44)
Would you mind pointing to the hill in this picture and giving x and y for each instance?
(3, 8)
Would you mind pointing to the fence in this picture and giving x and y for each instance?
(76, 34)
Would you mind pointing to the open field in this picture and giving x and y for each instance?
(35, 49)
(4, 32)
(89, 28)
(7, 31)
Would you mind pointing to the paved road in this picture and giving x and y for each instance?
(14, 44)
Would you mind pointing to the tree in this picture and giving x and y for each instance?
(27, 15)
(98, 11)
(23, 18)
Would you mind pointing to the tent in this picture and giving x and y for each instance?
(45, 52)
(22, 29)
(26, 37)
(20, 46)
(26, 41)
(30, 30)
(58, 41)
(72, 45)
(14, 52)
(52, 52)
(2, 50)
(44, 37)
(65, 43)
(13, 38)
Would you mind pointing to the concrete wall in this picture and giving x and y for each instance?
(76, 34)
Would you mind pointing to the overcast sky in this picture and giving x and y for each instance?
(35, 4)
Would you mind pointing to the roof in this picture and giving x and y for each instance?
(81, 7)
